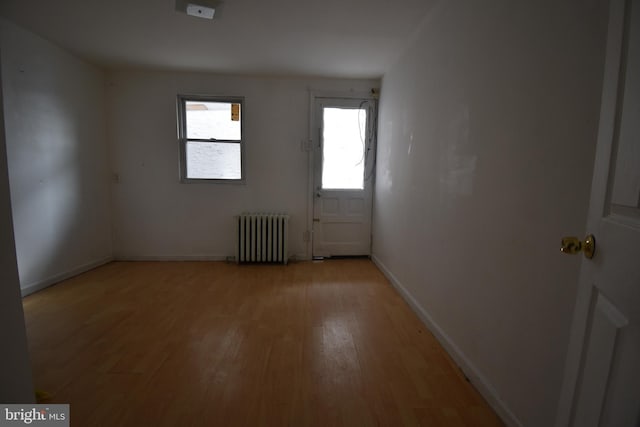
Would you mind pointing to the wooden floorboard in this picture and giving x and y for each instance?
(215, 344)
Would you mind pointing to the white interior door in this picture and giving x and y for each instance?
(343, 179)
(602, 374)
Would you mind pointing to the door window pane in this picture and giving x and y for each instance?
(343, 148)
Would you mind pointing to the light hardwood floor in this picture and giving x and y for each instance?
(214, 344)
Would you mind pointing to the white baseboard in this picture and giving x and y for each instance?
(41, 284)
(479, 381)
(171, 257)
(299, 257)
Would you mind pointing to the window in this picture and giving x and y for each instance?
(210, 131)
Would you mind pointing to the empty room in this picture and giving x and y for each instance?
(338, 213)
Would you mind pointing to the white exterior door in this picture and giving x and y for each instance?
(602, 374)
(343, 169)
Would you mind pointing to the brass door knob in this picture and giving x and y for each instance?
(573, 245)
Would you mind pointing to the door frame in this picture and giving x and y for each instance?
(312, 138)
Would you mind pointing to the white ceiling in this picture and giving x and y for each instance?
(334, 38)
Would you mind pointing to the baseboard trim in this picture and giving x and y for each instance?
(37, 286)
(479, 381)
(171, 257)
(300, 257)
(191, 258)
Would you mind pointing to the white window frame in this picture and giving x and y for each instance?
(182, 137)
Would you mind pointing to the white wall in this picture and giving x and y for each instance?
(487, 132)
(15, 371)
(57, 155)
(155, 216)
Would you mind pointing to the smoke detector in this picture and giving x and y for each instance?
(200, 11)
(205, 9)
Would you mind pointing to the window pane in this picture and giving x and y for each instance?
(343, 146)
(213, 160)
(206, 120)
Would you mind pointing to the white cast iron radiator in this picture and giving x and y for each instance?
(262, 237)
